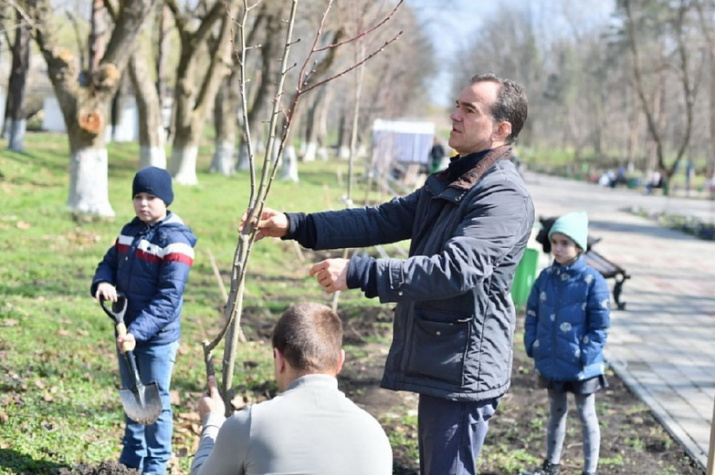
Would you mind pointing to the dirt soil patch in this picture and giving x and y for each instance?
(633, 442)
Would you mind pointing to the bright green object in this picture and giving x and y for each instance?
(524, 277)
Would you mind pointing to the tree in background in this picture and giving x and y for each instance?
(15, 113)
(204, 61)
(85, 95)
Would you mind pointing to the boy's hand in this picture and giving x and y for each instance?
(106, 291)
(211, 402)
(126, 342)
(271, 223)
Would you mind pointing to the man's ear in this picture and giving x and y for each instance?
(503, 131)
(280, 360)
(341, 361)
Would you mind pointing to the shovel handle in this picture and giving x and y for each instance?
(119, 308)
(121, 331)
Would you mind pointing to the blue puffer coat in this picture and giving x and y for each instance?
(150, 265)
(567, 322)
(454, 321)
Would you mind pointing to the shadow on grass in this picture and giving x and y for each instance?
(22, 463)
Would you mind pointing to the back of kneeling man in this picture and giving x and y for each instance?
(311, 427)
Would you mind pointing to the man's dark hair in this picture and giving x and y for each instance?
(511, 104)
(310, 336)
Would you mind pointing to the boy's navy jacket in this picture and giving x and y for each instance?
(567, 322)
(150, 264)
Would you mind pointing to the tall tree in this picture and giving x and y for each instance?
(16, 89)
(672, 19)
(85, 100)
(198, 83)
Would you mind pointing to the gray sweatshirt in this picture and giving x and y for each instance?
(311, 428)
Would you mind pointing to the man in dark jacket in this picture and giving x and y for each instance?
(454, 321)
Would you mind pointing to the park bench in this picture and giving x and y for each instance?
(607, 268)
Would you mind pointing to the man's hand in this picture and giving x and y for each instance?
(332, 274)
(106, 291)
(211, 402)
(271, 223)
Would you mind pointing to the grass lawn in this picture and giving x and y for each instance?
(59, 404)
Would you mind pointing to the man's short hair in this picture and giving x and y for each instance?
(310, 337)
(511, 104)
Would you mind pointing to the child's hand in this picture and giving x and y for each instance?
(126, 342)
(106, 291)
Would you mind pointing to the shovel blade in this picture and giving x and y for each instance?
(142, 403)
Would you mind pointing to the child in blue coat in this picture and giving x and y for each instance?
(149, 263)
(567, 322)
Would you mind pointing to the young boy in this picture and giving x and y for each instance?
(149, 263)
(567, 322)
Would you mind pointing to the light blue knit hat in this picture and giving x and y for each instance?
(573, 225)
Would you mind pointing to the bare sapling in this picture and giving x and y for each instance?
(279, 125)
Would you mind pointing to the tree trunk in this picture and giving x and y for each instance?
(85, 107)
(18, 77)
(151, 130)
(164, 24)
(225, 108)
(192, 100)
(289, 164)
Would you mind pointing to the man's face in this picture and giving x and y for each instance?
(473, 127)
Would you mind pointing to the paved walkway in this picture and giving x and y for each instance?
(663, 344)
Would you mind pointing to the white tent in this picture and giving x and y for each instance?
(400, 150)
(402, 141)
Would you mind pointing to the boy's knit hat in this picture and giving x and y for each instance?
(573, 225)
(155, 181)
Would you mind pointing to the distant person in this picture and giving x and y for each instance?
(567, 322)
(311, 427)
(656, 181)
(436, 154)
(149, 263)
(689, 174)
(454, 320)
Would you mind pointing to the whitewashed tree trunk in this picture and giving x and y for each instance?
(151, 128)
(152, 157)
(222, 160)
(183, 161)
(311, 151)
(242, 164)
(17, 135)
(289, 164)
(322, 153)
(89, 183)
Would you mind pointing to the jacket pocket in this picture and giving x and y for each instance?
(438, 349)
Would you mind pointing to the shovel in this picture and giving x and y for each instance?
(141, 403)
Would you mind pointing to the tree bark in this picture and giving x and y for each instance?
(151, 130)
(225, 108)
(18, 77)
(193, 98)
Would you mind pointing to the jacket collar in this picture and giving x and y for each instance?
(575, 268)
(483, 161)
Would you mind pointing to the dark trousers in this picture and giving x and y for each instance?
(451, 434)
